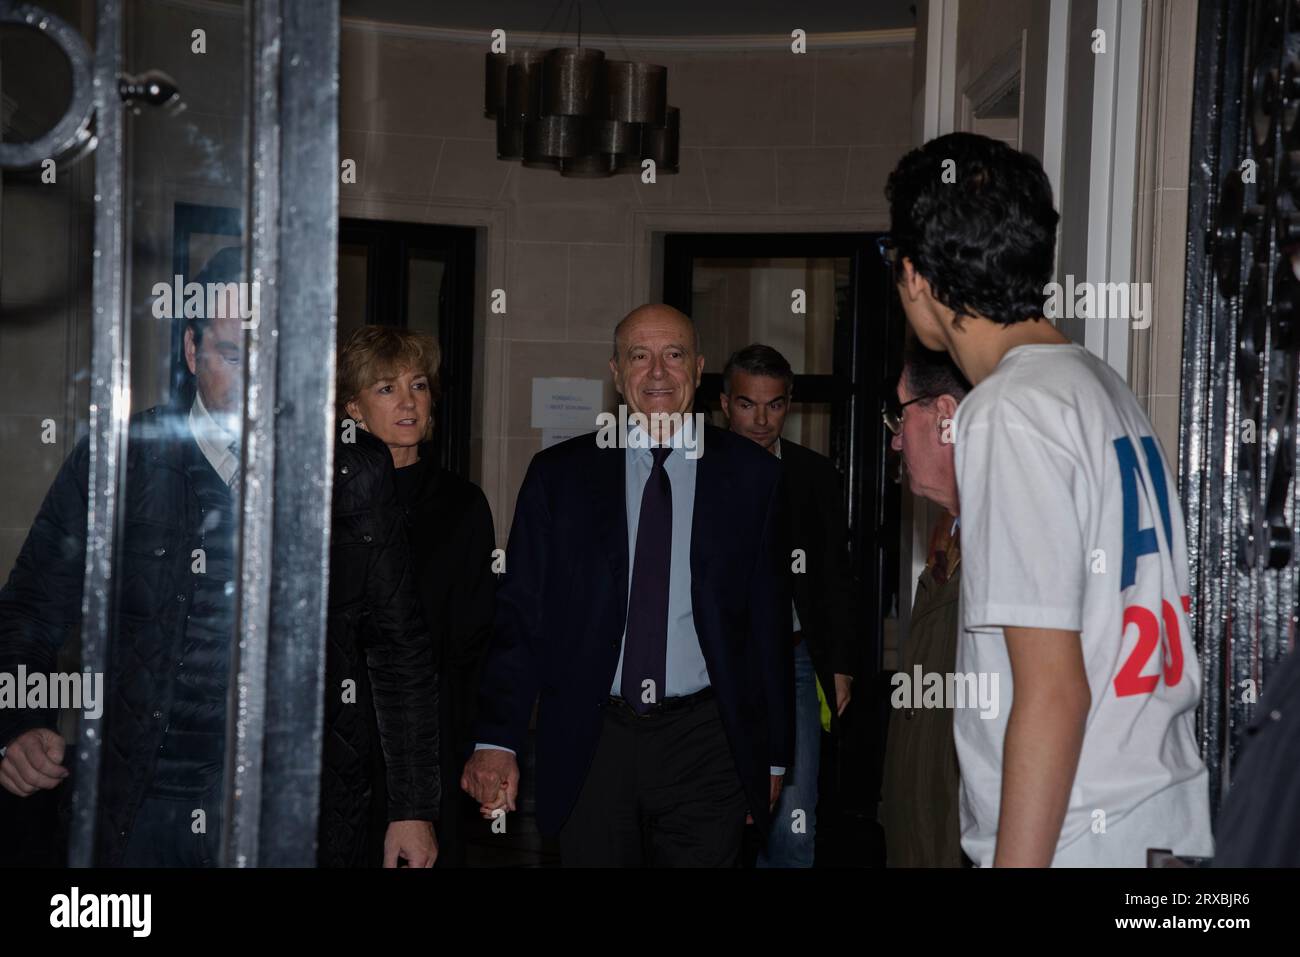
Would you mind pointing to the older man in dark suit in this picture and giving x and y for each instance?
(644, 600)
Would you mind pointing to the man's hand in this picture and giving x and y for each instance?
(412, 841)
(773, 794)
(491, 777)
(843, 692)
(1044, 737)
(33, 762)
(774, 791)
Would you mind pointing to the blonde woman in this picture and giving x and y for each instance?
(389, 385)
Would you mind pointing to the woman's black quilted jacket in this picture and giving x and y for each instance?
(381, 679)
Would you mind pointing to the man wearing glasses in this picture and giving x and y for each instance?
(919, 796)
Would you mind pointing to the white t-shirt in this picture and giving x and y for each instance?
(1070, 520)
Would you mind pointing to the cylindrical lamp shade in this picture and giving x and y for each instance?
(611, 136)
(590, 166)
(523, 86)
(539, 162)
(627, 163)
(494, 83)
(574, 82)
(569, 109)
(659, 143)
(637, 92)
(510, 139)
(496, 67)
(555, 137)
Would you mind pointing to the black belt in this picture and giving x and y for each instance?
(675, 703)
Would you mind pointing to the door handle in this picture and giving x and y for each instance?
(151, 88)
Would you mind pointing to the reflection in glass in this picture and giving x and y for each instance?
(427, 272)
(736, 301)
(353, 262)
(45, 308)
(36, 79)
(789, 303)
(162, 707)
(191, 307)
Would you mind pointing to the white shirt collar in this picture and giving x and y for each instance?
(214, 440)
(777, 447)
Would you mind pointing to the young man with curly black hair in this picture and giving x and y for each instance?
(1075, 589)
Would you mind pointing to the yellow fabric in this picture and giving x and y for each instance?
(825, 708)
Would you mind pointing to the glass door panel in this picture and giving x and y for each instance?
(792, 304)
(189, 305)
(165, 546)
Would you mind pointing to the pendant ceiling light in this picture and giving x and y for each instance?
(570, 109)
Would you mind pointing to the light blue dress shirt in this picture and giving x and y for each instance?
(685, 671)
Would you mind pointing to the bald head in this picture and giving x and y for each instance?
(656, 363)
(655, 312)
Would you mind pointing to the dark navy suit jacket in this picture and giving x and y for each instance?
(562, 606)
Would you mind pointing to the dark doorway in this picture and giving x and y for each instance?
(739, 288)
(420, 277)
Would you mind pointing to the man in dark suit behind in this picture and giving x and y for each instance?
(644, 599)
(757, 383)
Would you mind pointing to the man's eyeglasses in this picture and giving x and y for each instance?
(892, 413)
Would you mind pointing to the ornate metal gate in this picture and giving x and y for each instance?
(1241, 345)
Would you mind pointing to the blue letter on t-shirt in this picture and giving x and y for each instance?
(1140, 541)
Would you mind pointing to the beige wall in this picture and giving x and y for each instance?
(770, 140)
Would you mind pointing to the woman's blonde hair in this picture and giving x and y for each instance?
(385, 352)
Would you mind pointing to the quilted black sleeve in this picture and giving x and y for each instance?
(401, 659)
(40, 605)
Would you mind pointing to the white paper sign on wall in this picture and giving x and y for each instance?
(569, 405)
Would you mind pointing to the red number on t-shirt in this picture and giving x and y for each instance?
(1173, 643)
(1130, 680)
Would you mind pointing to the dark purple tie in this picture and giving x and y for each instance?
(646, 647)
